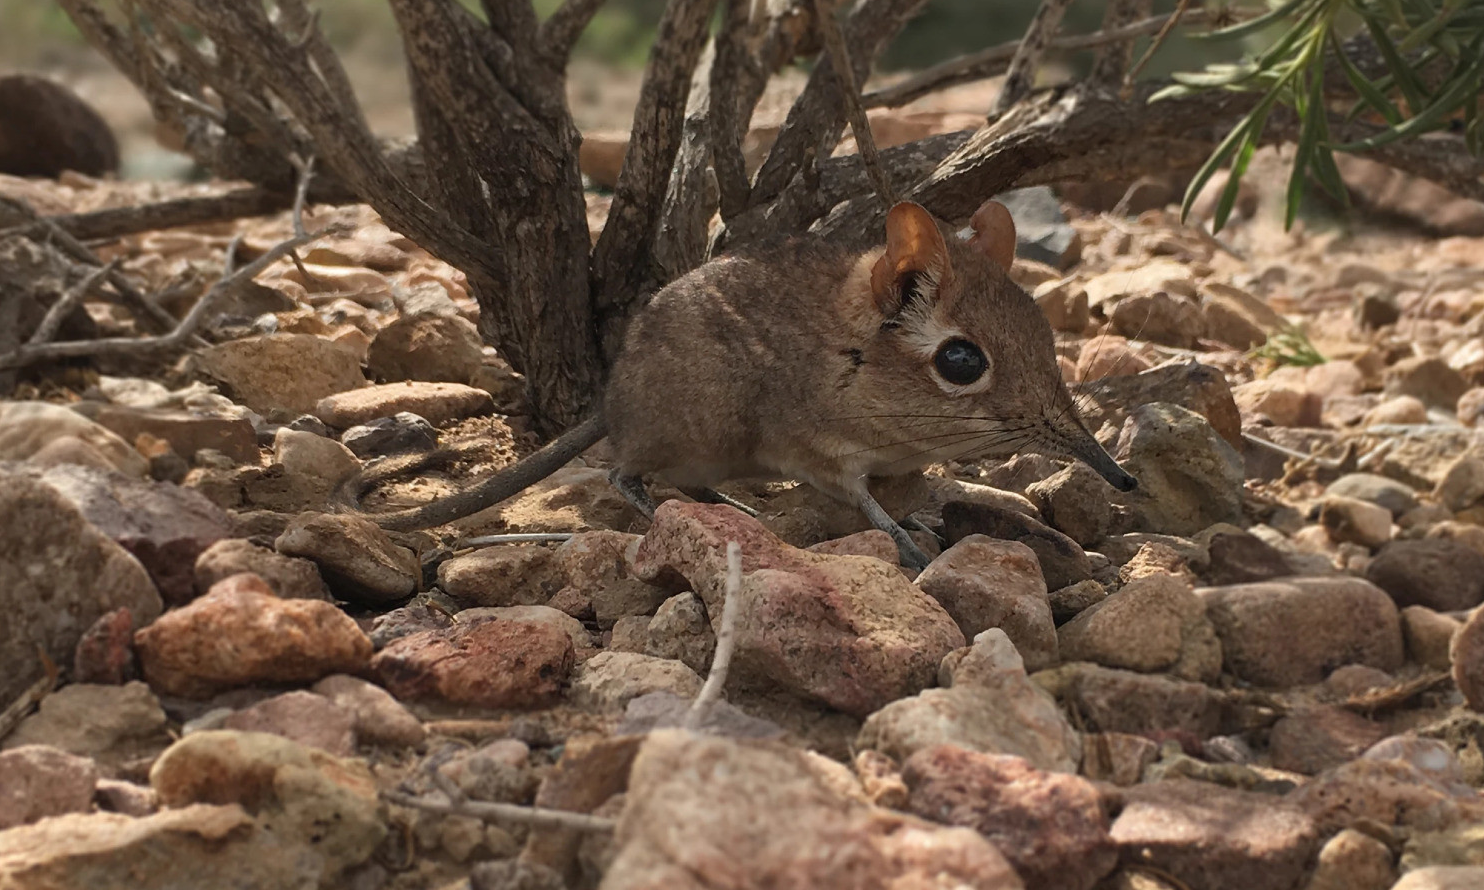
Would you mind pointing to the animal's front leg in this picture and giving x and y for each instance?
(858, 494)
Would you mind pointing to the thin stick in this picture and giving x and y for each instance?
(522, 538)
(1154, 45)
(1021, 77)
(726, 642)
(860, 125)
(503, 812)
(306, 173)
(69, 301)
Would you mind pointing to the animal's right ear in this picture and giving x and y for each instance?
(994, 233)
(916, 258)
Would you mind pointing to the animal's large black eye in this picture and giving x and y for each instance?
(960, 362)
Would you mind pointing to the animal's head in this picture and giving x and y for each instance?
(965, 363)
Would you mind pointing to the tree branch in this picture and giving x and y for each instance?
(559, 33)
(1020, 78)
(840, 64)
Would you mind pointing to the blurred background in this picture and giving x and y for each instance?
(37, 37)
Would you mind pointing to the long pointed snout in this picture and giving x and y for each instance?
(1080, 444)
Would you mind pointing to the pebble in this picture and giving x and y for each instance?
(1062, 562)
(281, 372)
(488, 663)
(765, 809)
(314, 457)
(1154, 623)
(1428, 636)
(288, 577)
(1353, 521)
(272, 640)
(1382, 491)
(1396, 410)
(610, 680)
(1353, 860)
(1076, 502)
(1427, 378)
(1050, 826)
(116, 726)
(1284, 633)
(596, 564)
(1192, 385)
(1070, 601)
(681, 631)
(993, 707)
(105, 654)
(499, 772)
(27, 429)
(1462, 486)
(1189, 476)
(378, 718)
(849, 631)
(357, 559)
(1441, 574)
(398, 434)
(1283, 403)
(37, 781)
(304, 717)
(1467, 654)
(1313, 739)
(426, 347)
(1389, 792)
(984, 583)
(1114, 700)
(303, 793)
(1164, 318)
(1215, 838)
(1239, 557)
(502, 575)
(438, 403)
(545, 615)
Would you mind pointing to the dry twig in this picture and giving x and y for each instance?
(726, 642)
(860, 125)
(503, 812)
(69, 301)
(1020, 79)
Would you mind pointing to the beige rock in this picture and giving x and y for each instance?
(379, 718)
(283, 372)
(609, 680)
(116, 726)
(426, 347)
(1352, 521)
(502, 576)
(438, 403)
(1282, 403)
(303, 717)
(1442, 877)
(1352, 860)
(287, 576)
(1154, 623)
(302, 793)
(359, 560)
(306, 454)
(1467, 654)
(28, 427)
(1429, 635)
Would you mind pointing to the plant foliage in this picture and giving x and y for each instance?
(1434, 58)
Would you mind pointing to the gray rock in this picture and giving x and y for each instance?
(379, 718)
(114, 725)
(58, 577)
(1077, 502)
(1042, 232)
(400, 433)
(355, 556)
(1395, 496)
(1442, 574)
(1071, 600)
(1189, 476)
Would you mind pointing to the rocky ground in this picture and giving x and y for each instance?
(1263, 670)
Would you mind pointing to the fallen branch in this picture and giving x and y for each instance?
(117, 222)
(52, 321)
(844, 71)
(503, 812)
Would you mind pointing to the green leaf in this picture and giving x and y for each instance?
(1234, 178)
(1370, 95)
(1252, 26)
(1406, 81)
(1459, 89)
(1216, 75)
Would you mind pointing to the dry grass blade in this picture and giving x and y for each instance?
(726, 642)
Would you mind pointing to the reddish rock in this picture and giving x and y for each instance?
(1154, 623)
(596, 564)
(105, 654)
(1388, 792)
(492, 664)
(1215, 838)
(379, 718)
(1441, 574)
(239, 634)
(311, 720)
(849, 631)
(37, 781)
(1051, 826)
(984, 583)
(1284, 633)
(289, 577)
(1311, 740)
(1113, 700)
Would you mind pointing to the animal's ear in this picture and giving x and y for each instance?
(916, 258)
(994, 233)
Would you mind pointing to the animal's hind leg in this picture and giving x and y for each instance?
(907, 550)
(633, 490)
(712, 496)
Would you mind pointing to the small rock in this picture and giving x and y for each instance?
(314, 457)
(378, 717)
(281, 372)
(1051, 826)
(49, 129)
(597, 564)
(1354, 680)
(1042, 232)
(629, 634)
(766, 809)
(1189, 477)
(311, 720)
(492, 664)
(993, 708)
(1427, 378)
(1387, 792)
(681, 631)
(1215, 838)
(1467, 654)
(1352, 860)
(400, 433)
(37, 781)
(116, 726)
(610, 680)
(1281, 402)
(872, 542)
(1429, 636)
(1200, 388)
(1353, 521)
(287, 577)
(1117, 757)
(1070, 601)
(983, 583)
(1154, 623)
(1396, 410)
(1157, 558)
(187, 432)
(1064, 303)
(544, 615)
(1442, 574)
(426, 347)
(239, 634)
(424, 612)
(1111, 359)
(302, 793)
(849, 631)
(1398, 497)
(1311, 740)
(1471, 407)
(573, 499)
(1284, 633)
(127, 798)
(1076, 502)
(438, 403)
(1462, 486)
(1156, 276)
(192, 846)
(105, 654)
(354, 555)
(1442, 877)
(1112, 700)
(499, 772)
(1062, 562)
(502, 576)
(1164, 318)
(661, 710)
(1240, 558)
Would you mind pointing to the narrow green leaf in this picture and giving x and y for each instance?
(1370, 95)
(1406, 81)
(1213, 163)
(1252, 26)
(1234, 178)
(1464, 87)
(1216, 75)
